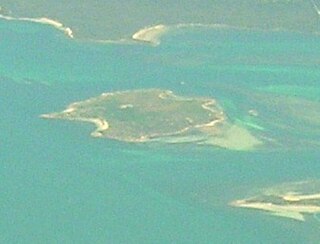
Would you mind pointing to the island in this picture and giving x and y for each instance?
(158, 115)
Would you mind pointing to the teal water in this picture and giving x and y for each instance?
(58, 184)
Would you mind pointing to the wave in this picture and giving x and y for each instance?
(43, 20)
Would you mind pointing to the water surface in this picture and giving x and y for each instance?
(61, 185)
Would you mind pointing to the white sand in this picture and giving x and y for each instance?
(43, 20)
(293, 211)
(125, 106)
(150, 34)
(297, 198)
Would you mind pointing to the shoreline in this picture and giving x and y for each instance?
(43, 20)
(101, 124)
(150, 35)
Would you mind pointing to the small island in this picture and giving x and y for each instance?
(158, 115)
(294, 200)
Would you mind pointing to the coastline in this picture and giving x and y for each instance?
(226, 137)
(101, 124)
(150, 35)
(45, 21)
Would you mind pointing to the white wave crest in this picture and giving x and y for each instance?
(46, 21)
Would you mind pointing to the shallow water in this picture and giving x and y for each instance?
(61, 185)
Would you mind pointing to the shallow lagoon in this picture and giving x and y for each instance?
(59, 184)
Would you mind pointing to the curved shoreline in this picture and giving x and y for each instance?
(150, 35)
(101, 124)
(43, 20)
(293, 200)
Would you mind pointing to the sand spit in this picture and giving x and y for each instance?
(293, 211)
(294, 200)
(153, 34)
(150, 34)
(101, 124)
(43, 20)
(293, 197)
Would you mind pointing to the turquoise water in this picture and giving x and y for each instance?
(58, 184)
